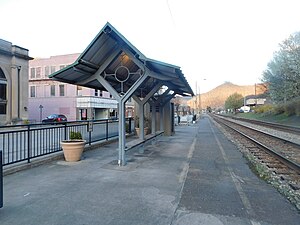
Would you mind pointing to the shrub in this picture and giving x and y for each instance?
(75, 135)
(264, 109)
(297, 106)
(289, 108)
(279, 109)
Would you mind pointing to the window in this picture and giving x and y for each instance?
(52, 90)
(79, 91)
(52, 69)
(32, 92)
(46, 71)
(61, 67)
(38, 72)
(96, 92)
(32, 73)
(2, 108)
(2, 92)
(61, 90)
(3, 100)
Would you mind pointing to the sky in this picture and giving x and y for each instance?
(213, 41)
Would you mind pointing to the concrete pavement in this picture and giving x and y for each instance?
(196, 176)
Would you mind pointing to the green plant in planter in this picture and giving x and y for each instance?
(137, 122)
(73, 147)
(75, 135)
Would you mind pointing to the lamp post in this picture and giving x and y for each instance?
(41, 112)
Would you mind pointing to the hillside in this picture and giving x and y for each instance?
(217, 97)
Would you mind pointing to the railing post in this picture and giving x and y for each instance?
(106, 129)
(1, 180)
(28, 144)
(65, 138)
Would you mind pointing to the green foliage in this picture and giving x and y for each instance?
(137, 122)
(147, 122)
(127, 128)
(292, 107)
(297, 106)
(75, 135)
(264, 109)
(288, 109)
(278, 109)
(234, 101)
(283, 73)
(26, 122)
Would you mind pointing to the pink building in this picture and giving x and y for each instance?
(47, 96)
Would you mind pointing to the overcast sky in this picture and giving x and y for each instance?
(213, 41)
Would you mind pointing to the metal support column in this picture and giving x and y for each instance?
(161, 116)
(141, 121)
(122, 136)
(153, 118)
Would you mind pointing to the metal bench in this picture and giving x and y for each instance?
(138, 142)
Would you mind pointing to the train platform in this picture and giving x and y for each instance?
(195, 177)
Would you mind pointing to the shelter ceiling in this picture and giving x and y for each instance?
(111, 56)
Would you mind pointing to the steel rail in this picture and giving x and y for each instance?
(292, 165)
(281, 127)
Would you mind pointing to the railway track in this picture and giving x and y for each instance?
(281, 156)
(275, 126)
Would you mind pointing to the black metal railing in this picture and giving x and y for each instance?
(25, 142)
(1, 181)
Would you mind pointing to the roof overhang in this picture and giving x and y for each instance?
(116, 60)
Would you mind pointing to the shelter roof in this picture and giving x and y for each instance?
(113, 57)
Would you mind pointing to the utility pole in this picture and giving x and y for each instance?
(196, 102)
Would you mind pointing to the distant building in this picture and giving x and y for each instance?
(13, 82)
(47, 96)
(253, 100)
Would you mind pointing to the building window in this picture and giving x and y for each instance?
(61, 90)
(62, 66)
(32, 73)
(52, 69)
(101, 93)
(96, 92)
(38, 72)
(110, 95)
(46, 71)
(3, 100)
(79, 91)
(52, 90)
(2, 108)
(32, 91)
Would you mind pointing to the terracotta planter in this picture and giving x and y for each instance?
(72, 149)
(137, 130)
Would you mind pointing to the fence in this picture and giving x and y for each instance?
(25, 142)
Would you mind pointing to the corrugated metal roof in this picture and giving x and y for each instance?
(111, 54)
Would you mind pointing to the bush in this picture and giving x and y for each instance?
(75, 135)
(289, 109)
(297, 106)
(279, 109)
(264, 109)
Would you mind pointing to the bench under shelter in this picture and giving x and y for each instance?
(111, 63)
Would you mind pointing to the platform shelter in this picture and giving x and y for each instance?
(111, 63)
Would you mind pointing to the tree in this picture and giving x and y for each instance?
(234, 101)
(283, 72)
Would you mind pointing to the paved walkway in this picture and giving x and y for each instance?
(194, 177)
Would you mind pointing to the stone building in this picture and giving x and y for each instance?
(13, 82)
